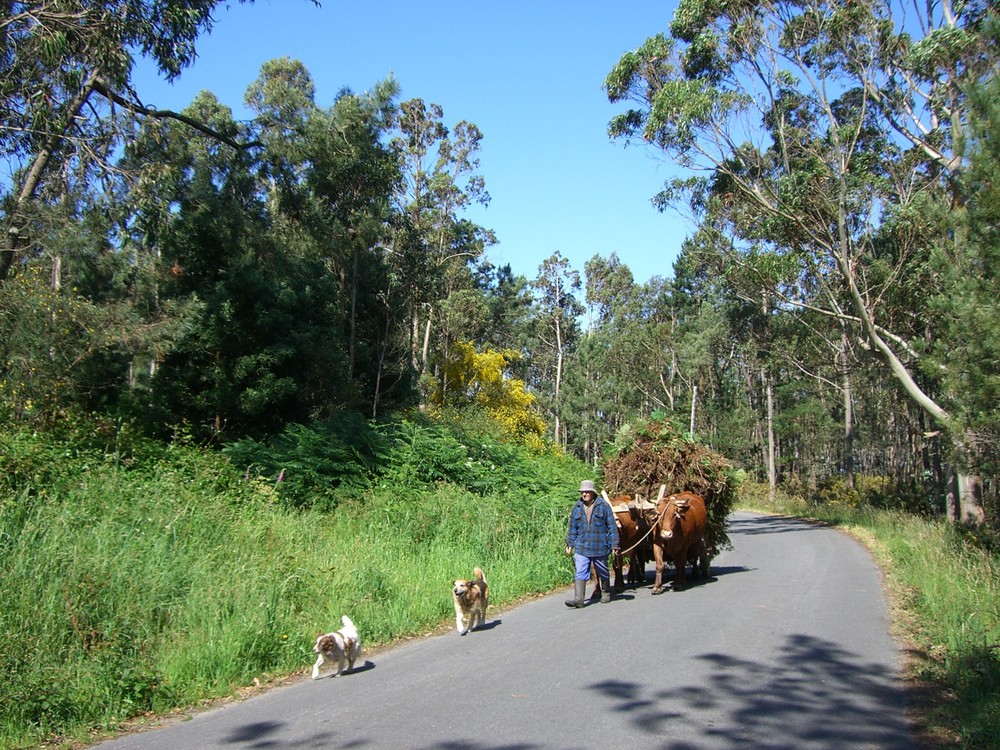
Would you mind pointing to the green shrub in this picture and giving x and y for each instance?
(315, 465)
(835, 493)
(319, 465)
(875, 491)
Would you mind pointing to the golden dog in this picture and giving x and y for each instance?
(471, 600)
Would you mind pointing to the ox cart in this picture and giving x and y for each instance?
(674, 528)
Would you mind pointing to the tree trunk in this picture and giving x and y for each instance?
(848, 419)
(952, 502)
(382, 349)
(414, 337)
(964, 501)
(559, 363)
(352, 319)
(425, 352)
(694, 400)
(772, 474)
(970, 504)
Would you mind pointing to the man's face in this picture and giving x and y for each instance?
(587, 497)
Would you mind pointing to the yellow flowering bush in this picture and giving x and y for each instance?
(481, 378)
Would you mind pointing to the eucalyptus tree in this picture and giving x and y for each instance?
(66, 321)
(591, 397)
(610, 286)
(283, 101)
(440, 180)
(509, 306)
(330, 176)
(612, 364)
(818, 124)
(661, 342)
(354, 174)
(284, 254)
(556, 332)
(65, 67)
(68, 105)
(681, 339)
(969, 298)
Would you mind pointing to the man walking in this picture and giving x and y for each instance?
(592, 535)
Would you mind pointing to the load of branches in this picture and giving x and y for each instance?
(655, 452)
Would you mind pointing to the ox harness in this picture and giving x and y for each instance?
(642, 505)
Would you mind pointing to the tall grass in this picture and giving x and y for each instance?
(139, 585)
(946, 588)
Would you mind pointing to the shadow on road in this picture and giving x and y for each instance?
(633, 590)
(254, 734)
(771, 525)
(818, 695)
(363, 668)
(348, 672)
(488, 626)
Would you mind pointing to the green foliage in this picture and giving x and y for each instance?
(968, 300)
(467, 447)
(315, 465)
(266, 345)
(45, 333)
(321, 464)
(869, 491)
(153, 578)
(426, 453)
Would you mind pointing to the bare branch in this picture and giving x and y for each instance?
(102, 88)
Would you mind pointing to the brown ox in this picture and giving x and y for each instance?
(680, 522)
(633, 539)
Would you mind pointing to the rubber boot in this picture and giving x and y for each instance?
(605, 590)
(597, 591)
(579, 591)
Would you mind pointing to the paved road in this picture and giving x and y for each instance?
(784, 647)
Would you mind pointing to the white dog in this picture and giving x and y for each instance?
(344, 645)
(471, 600)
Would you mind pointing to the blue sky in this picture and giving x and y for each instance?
(528, 73)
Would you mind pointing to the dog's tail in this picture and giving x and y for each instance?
(477, 573)
(349, 628)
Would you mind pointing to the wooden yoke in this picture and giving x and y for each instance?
(604, 494)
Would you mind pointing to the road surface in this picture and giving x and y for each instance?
(785, 646)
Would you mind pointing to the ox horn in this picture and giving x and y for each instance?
(663, 491)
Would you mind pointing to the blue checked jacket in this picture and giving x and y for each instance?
(597, 538)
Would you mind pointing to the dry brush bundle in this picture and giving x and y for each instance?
(651, 453)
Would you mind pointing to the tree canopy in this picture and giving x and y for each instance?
(832, 315)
